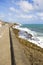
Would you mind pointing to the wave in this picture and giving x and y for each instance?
(30, 35)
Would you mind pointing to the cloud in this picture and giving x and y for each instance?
(2, 15)
(41, 18)
(38, 4)
(12, 9)
(22, 7)
(25, 16)
(9, 14)
(25, 6)
(40, 14)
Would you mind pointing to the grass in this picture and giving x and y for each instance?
(33, 52)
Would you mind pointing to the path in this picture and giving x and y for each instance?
(5, 56)
(19, 55)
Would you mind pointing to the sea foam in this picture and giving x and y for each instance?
(29, 35)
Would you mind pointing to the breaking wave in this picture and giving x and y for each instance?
(29, 35)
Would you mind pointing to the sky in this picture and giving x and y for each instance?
(22, 11)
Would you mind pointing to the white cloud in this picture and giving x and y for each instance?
(9, 14)
(12, 8)
(10, 19)
(40, 14)
(2, 15)
(24, 16)
(25, 6)
(41, 18)
(38, 4)
(35, 17)
(30, 16)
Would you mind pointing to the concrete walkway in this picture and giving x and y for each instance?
(5, 56)
(11, 51)
(20, 58)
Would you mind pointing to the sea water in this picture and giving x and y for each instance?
(36, 28)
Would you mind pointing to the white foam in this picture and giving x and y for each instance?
(24, 29)
(36, 40)
(38, 43)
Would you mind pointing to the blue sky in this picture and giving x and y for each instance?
(22, 11)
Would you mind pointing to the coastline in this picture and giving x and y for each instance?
(33, 53)
(26, 42)
(28, 35)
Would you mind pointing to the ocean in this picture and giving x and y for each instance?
(37, 28)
